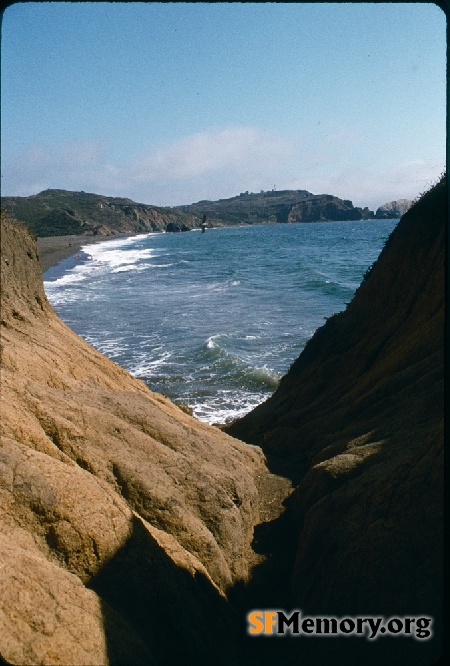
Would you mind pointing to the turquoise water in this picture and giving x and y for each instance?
(214, 320)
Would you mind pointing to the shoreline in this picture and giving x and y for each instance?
(53, 249)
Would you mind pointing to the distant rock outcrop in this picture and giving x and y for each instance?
(173, 227)
(284, 206)
(393, 209)
(359, 419)
(123, 519)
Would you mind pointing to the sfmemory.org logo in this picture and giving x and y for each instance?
(279, 623)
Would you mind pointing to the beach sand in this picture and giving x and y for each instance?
(53, 249)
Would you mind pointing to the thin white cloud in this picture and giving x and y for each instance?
(221, 163)
(43, 166)
(232, 157)
(205, 152)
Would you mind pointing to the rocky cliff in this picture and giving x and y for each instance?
(358, 419)
(393, 209)
(124, 521)
(283, 206)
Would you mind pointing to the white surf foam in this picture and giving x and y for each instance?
(225, 406)
(112, 256)
(146, 367)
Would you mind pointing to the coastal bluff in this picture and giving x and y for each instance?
(87, 215)
(359, 421)
(124, 520)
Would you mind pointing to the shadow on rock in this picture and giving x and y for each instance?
(175, 615)
(356, 539)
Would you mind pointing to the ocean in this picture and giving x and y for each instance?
(213, 320)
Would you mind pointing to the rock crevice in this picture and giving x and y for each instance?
(125, 521)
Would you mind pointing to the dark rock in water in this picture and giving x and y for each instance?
(359, 417)
(172, 227)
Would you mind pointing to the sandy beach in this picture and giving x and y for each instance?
(53, 249)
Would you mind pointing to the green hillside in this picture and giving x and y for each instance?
(60, 212)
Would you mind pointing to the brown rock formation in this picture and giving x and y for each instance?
(359, 416)
(124, 520)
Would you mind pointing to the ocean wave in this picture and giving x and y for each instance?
(76, 275)
(224, 406)
(112, 348)
(329, 287)
(212, 343)
(212, 329)
(264, 375)
(102, 258)
(115, 243)
(238, 369)
(131, 267)
(66, 297)
(160, 265)
(146, 367)
(119, 257)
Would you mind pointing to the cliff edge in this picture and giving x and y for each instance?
(124, 520)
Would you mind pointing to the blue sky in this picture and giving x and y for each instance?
(171, 103)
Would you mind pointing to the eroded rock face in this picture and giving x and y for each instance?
(119, 510)
(360, 417)
(393, 209)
